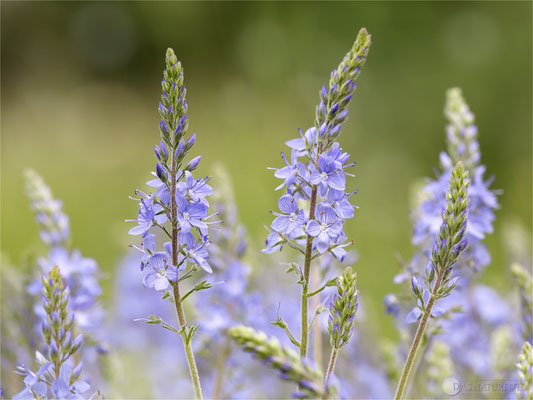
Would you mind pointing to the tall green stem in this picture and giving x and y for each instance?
(305, 289)
(402, 385)
(195, 377)
(317, 329)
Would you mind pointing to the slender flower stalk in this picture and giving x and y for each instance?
(449, 244)
(342, 313)
(178, 208)
(316, 205)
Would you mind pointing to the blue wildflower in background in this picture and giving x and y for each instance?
(461, 137)
(79, 273)
(57, 377)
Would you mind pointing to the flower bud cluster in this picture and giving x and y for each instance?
(315, 176)
(189, 208)
(461, 132)
(276, 356)
(53, 222)
(55, 377)
(448, 246)
(333, 107)
(342, 309)
(525, 372)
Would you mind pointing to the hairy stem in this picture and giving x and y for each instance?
(331, 365)
(317, 331)
(307, 269)
(177, 298)
(411, 357)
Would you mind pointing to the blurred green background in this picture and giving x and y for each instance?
(81, 83)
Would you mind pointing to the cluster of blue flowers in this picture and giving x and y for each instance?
(79, 273)
(316, 170)
(461, 134)
(56, 376)
(455, 214)
(179, 198)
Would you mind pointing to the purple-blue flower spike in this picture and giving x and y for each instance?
(313, 210)
(178, 208)
(449, 244)
(462, 146)
(55, 378)
(79, 273)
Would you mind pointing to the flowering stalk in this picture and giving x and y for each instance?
(342, 313)
(55, 375)
(291, 367)
(179, 201)
(80, 274)
(449, 245)
(319, 181)
(330, 113)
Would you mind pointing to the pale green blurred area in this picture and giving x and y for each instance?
(81, 83)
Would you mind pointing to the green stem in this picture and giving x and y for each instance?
(307, 267)
(418, 338)
(317, 331)
(331, 365)
(195, 377)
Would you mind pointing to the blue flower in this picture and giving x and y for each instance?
(325, 228)
(55, 376)
(148, 214)
(289, 173)
(195, 250)
(160, 272)
(190, 214)
(339, 199)
(291, 216)
(328, 175)
(392, 305)
(196, 189)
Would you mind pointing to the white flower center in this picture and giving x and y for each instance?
(162, 272)
(186, 215)
(293, 216)
(324, 176)
(323, 227)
